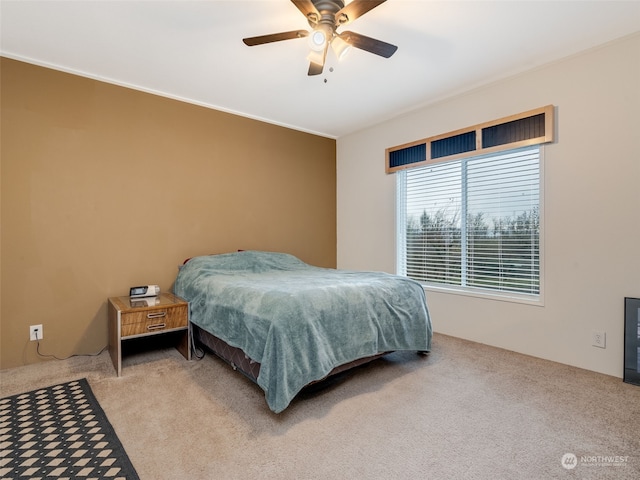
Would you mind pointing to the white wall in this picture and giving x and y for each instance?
(591, 202)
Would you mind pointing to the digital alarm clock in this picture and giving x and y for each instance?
(144, 291)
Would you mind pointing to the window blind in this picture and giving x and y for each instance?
(408, 155)
(473, 222)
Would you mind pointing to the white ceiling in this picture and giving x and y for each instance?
(193, 51)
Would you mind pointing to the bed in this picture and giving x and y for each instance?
(287, 324)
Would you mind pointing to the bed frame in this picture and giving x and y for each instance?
(239, 361)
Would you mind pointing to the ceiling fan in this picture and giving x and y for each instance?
(325, 17)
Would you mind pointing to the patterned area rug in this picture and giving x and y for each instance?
(60, 432)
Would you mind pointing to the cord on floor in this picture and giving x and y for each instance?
(43, 355)
(198, 356)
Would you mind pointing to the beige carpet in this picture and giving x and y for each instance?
(467, 411)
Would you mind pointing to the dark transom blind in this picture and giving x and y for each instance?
(445, 147)
(408, 155)
(514, 131)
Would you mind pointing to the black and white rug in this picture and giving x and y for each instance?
(60, 432)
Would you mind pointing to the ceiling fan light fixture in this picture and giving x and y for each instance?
(316, 57)
(340, 47)
(318, 40)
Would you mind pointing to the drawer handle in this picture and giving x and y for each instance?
(156, 314)
(157, 326)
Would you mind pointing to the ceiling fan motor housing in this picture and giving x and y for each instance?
(327, 10)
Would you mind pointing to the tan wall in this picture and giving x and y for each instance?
(104, 187)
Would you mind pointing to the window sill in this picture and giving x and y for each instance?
(534, 300)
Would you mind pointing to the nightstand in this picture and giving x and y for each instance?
(141, 317)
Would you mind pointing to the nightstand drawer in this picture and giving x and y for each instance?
(153, 321)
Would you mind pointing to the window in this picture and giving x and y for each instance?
(473, 223)
(469, 206)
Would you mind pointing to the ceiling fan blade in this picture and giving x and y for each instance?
(355, 9)
(274, 37)
(315, 68)
(369, 44)
(308, 9)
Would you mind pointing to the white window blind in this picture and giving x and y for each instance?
(473, 223)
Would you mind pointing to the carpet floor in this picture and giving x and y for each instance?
(466, 411)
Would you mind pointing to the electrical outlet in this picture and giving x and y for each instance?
(33, 329)
(599, 339)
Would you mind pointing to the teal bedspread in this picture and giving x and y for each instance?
(299, 321)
